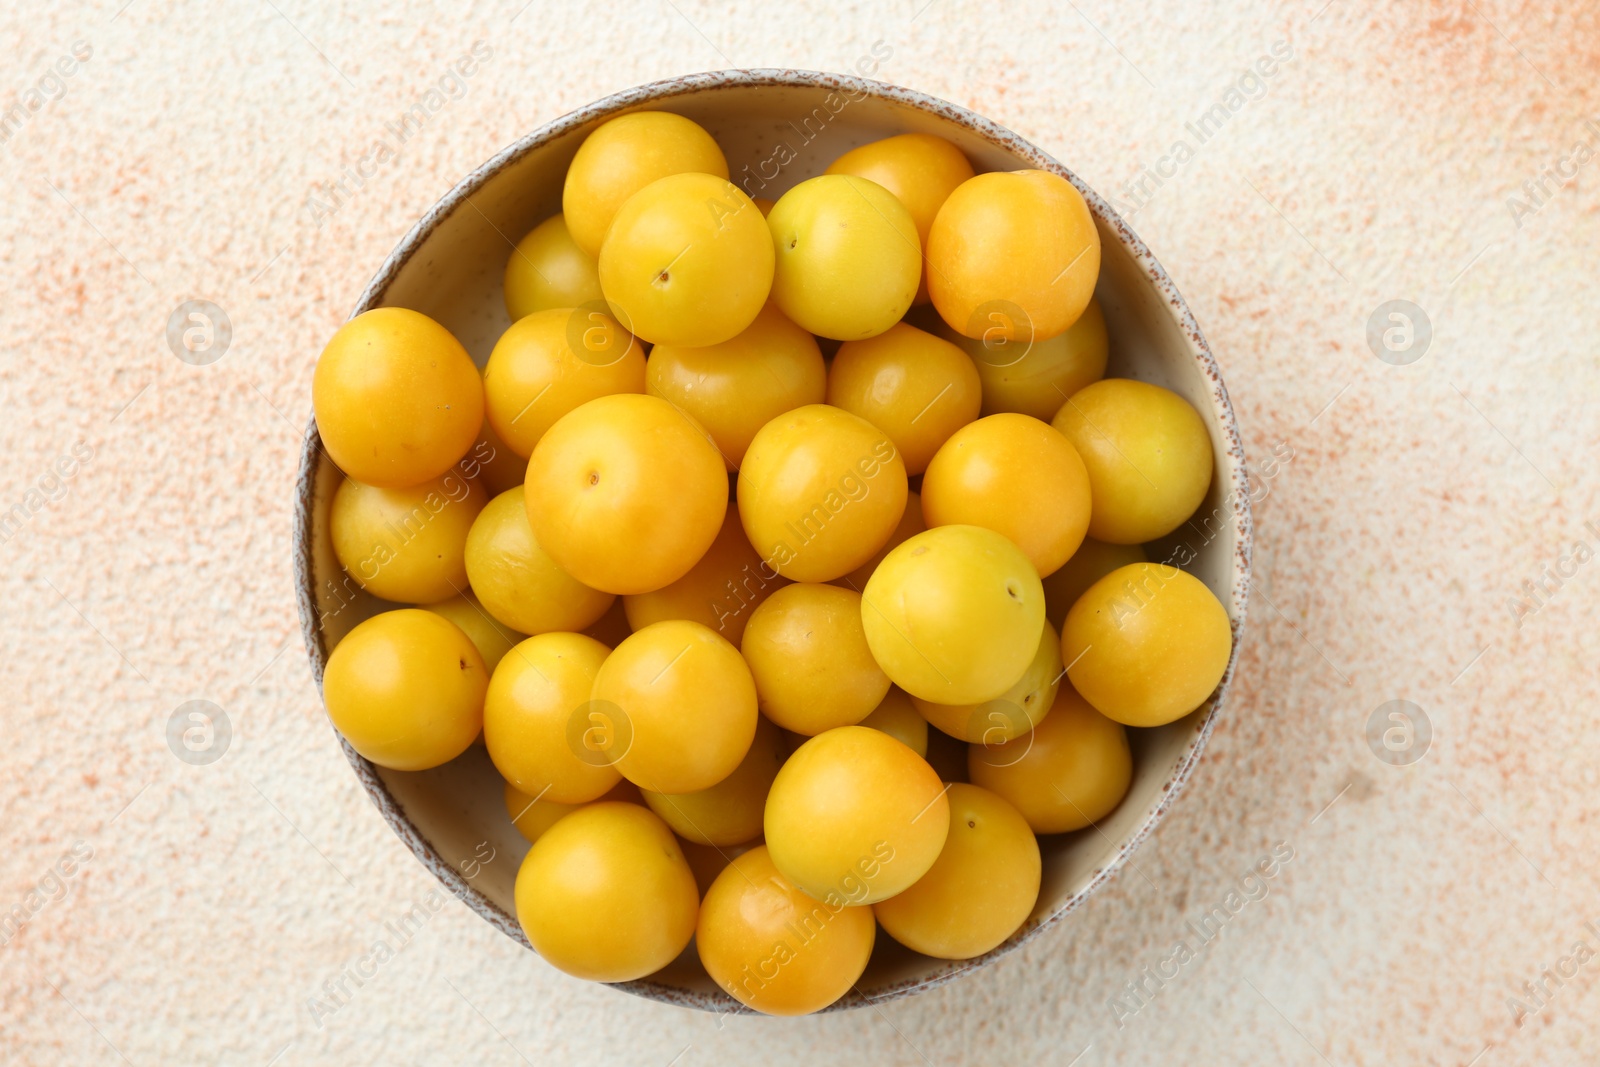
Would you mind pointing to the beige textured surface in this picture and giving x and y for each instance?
(1376, 165)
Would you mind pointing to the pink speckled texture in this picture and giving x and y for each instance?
(219, 899)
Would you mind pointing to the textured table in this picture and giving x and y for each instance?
(1417, 541)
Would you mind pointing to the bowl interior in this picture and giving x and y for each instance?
(777, 129)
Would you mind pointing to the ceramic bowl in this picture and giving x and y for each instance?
(778, 128)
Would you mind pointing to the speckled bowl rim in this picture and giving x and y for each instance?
(1000, 137)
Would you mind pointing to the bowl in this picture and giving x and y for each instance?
(778, 128)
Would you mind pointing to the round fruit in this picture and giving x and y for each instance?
(547, 269)
(775, 949)
(981, 888)
(1069, 773)
(921, 170)
(728, 813)
(737, 387)
(1146, 644)
(953, 614)
(491, 639)
(684, 703)
(899, 718)
(626, 493)
(849, 259)
(536, 721)
(1092, 562)
(1147, 453)
(606, 894)
(855, 815)
(1034, 376)
(909, 526)
(1016, 476)
(687, 261)
(809, 657)
(722, 590)
(552, 361)
(1014, 712)
(516, 580)
(623, 156)
(397, 399)
(915, 387)
(1016, 253)
(406, 545)
(820, 491)
(405, 688)
(532, 816)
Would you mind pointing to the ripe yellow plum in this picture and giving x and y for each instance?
(728, 813)
(406, 545)
(896, 716)
(623, 156)
(611, 628)
(1035, 376)
(406, 688)
(1147, 453)
(535, 723)
(856, 816)
(808, 654)
(917, 388)
(981, 888)
(551, 362)
(606, 894)
(708, 861)
(953, 615)
(1070, 772)
(1016, 476)
(1092, 562)
(1015, 253)
(921, 170)
(626, 493)
(736, 387)
(1147, 644)
(684, 705)
(848, 256)
(820, 492)
(397, 399)
(1012, 713)
(490, 638)
(517, 581)
(687, 261)
(722, 590)
(492, 462)
(547, 269)
(774, 948)
(909, 526)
